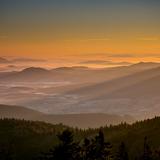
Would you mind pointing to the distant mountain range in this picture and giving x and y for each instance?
(78, 74)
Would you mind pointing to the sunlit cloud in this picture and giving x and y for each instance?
(103, 62)
(3, 37)
(21, 60)
(90, 39)
(121, 55)
(148, 39)
(28, 60)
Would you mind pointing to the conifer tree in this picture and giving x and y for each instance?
(86, 150)
(6, 153)
(122, 153)
(101, 150)
(66, 150)
(156, 154)
(147, 153)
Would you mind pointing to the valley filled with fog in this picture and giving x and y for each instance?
(132, 90)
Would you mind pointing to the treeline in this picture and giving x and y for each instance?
(94, 149)
(27, 140)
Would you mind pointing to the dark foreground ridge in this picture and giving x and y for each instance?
(27, 140)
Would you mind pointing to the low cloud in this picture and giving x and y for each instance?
(20, 60)
(27, 60)
(148, 38)
(90, 39)
(3, 37)
(120, 55)
(3, 60)
(97, 39)
(102, 62)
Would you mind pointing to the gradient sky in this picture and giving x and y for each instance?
(121, 29)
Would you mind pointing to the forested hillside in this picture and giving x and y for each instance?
(27, 140)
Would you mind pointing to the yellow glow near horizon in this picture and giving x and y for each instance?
(82, 47)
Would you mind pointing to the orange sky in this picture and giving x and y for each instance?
(88, 48)
(81, 30)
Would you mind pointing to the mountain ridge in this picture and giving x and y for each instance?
(74, 120)
(80, 74)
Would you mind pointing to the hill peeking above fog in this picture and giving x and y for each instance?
(74, 74)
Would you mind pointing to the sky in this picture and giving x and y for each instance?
(116, 30)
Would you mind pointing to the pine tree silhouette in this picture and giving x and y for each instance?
(122, 153)
(157, 154)
(6, 153)
(100, 150)
(66, 150)
(147, 153)
(86, 150)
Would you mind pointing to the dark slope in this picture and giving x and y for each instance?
(18, 112)
(28, 139)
